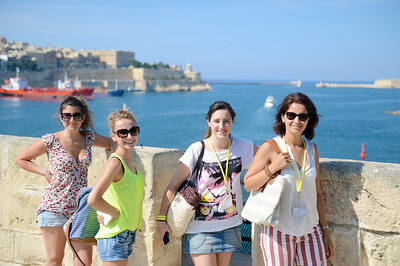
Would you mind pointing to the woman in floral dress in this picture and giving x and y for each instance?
(70, 153)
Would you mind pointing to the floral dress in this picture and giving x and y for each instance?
(68, 176)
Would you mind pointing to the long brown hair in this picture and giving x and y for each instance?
(218, 105)
(297, 97)
(81, 103)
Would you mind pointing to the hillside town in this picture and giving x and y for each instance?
(44, 66)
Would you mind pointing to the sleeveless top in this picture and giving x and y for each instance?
(127, 196)
(289, 223)
(68, 176)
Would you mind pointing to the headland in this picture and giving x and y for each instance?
(378, 84)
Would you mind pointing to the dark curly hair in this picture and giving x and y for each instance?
(297, 97)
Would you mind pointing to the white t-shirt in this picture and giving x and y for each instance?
(219, 208)
(288, 222)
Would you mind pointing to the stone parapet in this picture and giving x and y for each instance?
(362, 200)
(21, 191)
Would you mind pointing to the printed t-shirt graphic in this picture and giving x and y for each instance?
(217, 203)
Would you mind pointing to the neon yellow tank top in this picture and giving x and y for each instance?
(127, 196)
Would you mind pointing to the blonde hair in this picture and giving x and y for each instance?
(81, 103)
(118, 115)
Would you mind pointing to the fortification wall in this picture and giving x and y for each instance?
(362, 200)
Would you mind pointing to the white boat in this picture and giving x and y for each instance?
(269, 102)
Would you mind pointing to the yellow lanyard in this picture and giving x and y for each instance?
(299, 182)
(225, 175)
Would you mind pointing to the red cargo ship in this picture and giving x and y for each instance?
(18, 87)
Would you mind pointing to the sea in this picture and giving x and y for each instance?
(348, 117)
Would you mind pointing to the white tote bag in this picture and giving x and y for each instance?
(263, 207)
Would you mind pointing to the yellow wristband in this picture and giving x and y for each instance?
(325, 227)
(161, 218)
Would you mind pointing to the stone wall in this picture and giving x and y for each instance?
(362, 204)
(21, 241)
(362, 200)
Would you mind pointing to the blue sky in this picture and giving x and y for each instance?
(328, 40)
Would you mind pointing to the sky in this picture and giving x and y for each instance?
(260, 40)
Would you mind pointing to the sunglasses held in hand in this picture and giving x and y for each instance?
(292, 116)
(123, 133)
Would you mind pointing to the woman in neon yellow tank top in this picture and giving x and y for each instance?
(118, 194)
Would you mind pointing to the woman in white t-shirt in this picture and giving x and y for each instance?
(214, 231)
(302, 236)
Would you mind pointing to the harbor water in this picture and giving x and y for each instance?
(349, 117)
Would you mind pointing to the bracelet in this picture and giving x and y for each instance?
(325, 227)
(266, 170)
(161, 218)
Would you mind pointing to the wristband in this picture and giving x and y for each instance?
(161, 218)
(325, 227)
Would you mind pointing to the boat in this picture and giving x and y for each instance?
(269, 102)
(106, 92)
(18, 87)
(69, 85)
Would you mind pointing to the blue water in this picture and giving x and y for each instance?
(349, 117)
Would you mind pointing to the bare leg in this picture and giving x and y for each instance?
(115, 263)
(54, 242)
(209, 259)
(224, 258)
(85, 252)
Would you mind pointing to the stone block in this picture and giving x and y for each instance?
(7, 246)
(379, 249)
(19, 212)
(29, 249)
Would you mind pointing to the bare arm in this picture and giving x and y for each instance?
(113, 171)
(180, 176)
(104, 142)
(256, 176)
(329, 248)
(24, 159)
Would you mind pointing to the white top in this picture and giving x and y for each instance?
(289, 223)
(219, 208)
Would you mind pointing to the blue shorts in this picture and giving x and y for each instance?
(118, 247)
(228, 240)
(46, 218)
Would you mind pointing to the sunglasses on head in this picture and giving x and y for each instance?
(292, 116)
(76, 116)
(123, 133)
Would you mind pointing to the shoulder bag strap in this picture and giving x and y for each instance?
(67, 231)
(196, 169)
(276, 148)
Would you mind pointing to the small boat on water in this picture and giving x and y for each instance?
(18, 87)
(269, 102)
(107, 92)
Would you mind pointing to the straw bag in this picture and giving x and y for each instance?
(262, 207)
(185, 202)
(83, 226)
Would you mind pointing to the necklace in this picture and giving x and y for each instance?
(299, 182)
(225, 175)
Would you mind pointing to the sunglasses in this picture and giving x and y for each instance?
(76, 116)
(292, 116)
(123, 133)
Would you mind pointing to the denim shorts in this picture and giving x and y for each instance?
(118, 247)
(228, 240)
(46, 218)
